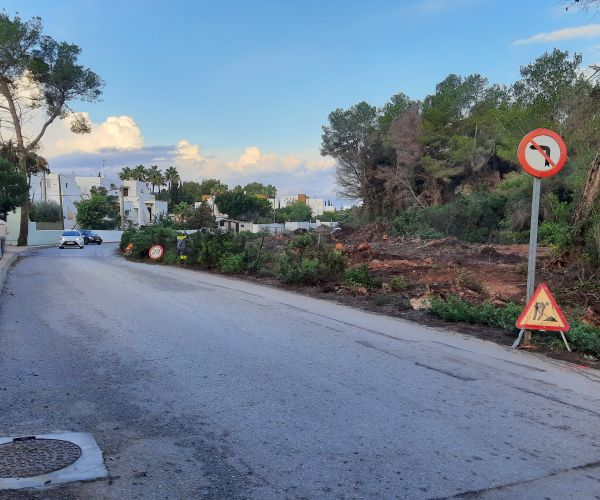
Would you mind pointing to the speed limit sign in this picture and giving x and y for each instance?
(156, 252)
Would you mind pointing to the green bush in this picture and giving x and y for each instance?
(45, 211)
(305, 261)
(554, 234)
(146, 237)
(359, 276)
(232, 263)
(456, 309)
(398, 283)
(472, 217)
(584, 338)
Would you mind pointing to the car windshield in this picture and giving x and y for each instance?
(71, 233)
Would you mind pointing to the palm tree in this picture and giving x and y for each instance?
(126, 173)
(171, 176)
(154, 176)
(140, 173)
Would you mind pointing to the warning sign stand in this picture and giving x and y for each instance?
(543, 313)
(541, 153)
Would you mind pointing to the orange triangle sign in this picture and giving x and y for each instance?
(542, 313)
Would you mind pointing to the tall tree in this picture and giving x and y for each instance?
(171, 177)
(238, 205)
(126, 173)
(140, 173)
(259, 189)
(29, 59)
(154, 176)
(347, 139)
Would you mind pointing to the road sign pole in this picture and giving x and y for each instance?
(533, 235)
(533, 232)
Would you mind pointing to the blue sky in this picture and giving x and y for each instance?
(248, 84)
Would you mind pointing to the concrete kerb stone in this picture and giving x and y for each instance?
(7, 261)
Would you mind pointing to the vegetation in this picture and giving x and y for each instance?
(238, 205)
(304, 261)
(13, 187)
(447, 166)
(45, 211)
(581, 337)
(101, 211)
(359, 276)
(38, 72)
(294, 212)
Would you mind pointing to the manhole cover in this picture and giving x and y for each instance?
(32, 457)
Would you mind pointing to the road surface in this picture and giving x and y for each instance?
(196, 385)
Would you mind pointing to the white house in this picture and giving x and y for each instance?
(140, 205)
(317, 206)
(65, 190)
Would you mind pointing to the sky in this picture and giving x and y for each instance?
(239, 90)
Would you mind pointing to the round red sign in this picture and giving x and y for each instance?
(542, 153)
(156, 252)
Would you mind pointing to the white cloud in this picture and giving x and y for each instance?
(188, 152)
(585, 31)
(116, 132)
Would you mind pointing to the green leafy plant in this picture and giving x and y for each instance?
(359, 276)
(398, 283)
(232, 263)
(456, 309)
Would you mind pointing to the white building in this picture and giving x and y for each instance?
(140, 205)
(317, 206)
(65, 190)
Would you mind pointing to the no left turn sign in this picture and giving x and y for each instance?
(542, 153)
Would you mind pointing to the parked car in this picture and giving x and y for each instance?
(71, 239)
(90, 237)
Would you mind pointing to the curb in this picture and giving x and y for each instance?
(5, 264)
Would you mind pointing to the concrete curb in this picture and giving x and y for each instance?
(5, 264)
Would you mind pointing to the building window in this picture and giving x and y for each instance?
(222, 223)
(125, 191)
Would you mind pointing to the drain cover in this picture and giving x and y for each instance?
(27, 457)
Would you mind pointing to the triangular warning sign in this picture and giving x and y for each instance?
(542, 313)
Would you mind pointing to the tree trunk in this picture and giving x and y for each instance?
(24, 226)
(590, 195)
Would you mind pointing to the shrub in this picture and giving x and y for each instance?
(232, 263)
(398, 283)
(359, 276)
(212, 248)
(584, 338)
(144, 238)
(45, 211)
(304, 261)
(456, 309)
(554, 234)
(468, 280)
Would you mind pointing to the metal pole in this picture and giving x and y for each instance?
(533, 232)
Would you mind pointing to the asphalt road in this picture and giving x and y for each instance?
(196, 385)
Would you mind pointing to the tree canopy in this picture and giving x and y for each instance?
(100, 211)
(13, 187)
(39, 73)
(238, 205)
